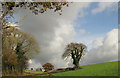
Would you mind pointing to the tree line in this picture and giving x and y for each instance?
(17, 48)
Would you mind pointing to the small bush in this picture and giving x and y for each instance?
(48, 67)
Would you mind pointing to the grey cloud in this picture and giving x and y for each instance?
(52, 31)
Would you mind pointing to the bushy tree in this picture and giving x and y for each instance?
(18, 47)
(76, 51)
(48, 67)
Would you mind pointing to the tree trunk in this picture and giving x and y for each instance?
(75, 59)
(76, 62)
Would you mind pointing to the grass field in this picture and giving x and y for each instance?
(28, 72)
(102, 69)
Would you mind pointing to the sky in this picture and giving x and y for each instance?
(94, 24)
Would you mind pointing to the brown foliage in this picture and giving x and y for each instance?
(9, 57)
(17, 48)
(48, 67)
(36, 8)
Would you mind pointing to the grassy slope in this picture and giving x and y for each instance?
(102, 69)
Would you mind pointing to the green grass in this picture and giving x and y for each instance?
(28, 72)
(102, 69)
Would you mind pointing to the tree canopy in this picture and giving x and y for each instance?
(7, 9)
(17, 48)
(76, 51)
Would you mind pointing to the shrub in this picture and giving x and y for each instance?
(48, 67)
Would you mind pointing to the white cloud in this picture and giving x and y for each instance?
(103, 49)
(82, 31)
(97, 43)
(102, 6)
